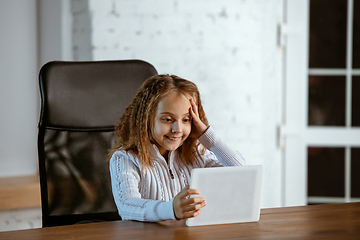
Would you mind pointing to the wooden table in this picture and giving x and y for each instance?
(331, 221)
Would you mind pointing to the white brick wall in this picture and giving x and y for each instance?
(228, 48)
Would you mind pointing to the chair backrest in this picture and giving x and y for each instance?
(81, 104)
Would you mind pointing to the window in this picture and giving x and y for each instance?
(334, 100)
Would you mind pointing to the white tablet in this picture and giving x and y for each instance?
(232, 194)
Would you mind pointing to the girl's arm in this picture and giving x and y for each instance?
(224, 154)
(211, 141)
(125, 178)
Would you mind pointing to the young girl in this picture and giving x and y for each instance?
(162, 135)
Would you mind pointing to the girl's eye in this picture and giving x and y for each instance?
(167, 119)
(186, 120)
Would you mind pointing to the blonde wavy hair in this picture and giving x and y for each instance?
(135, 127)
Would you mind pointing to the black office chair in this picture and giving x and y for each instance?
(81, 104)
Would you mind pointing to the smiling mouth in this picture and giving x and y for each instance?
(174, 138)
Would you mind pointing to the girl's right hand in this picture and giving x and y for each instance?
(185, 206)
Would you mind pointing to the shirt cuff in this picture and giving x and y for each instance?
(208, 139)
(166, 211)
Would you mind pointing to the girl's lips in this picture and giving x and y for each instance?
(173, 138)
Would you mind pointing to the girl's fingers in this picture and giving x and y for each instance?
(195, 118)
(185, 206)
(194, 207)
(195, 114)
(191, 214)
(191, 207)
(187, 192)
(195, 200)
(194, 108)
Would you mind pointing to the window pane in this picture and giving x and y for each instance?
(355, 172)
(355, 101)
(326, 101)
(326, 172)
(356, 35)
(328, 33)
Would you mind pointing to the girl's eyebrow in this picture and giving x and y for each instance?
(169, 113)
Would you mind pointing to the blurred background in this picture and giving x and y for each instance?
(279, 80)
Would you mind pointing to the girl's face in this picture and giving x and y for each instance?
(172, 123)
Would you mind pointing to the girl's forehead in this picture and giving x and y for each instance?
(174, 101)
(175, 93)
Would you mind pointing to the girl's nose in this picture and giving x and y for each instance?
(176, 128)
